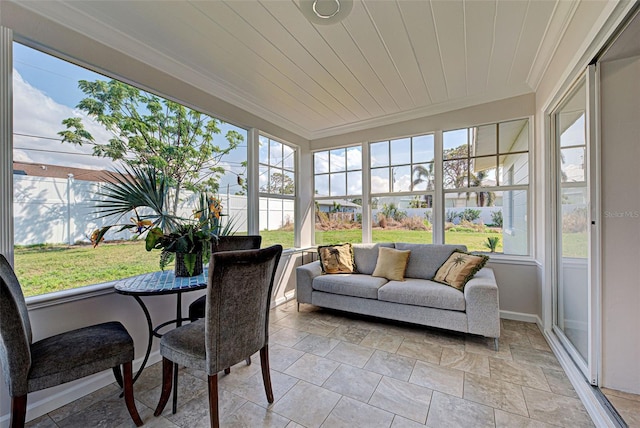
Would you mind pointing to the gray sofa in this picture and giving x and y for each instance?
(416, 300)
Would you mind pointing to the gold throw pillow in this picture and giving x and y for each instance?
(459, 268)
(392, 263)
(336, 258)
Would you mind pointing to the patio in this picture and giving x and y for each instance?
(331, 369)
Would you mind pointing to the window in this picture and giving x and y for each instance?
(486, 186)
(55, 182)
(402, 189)
(277, 174)
(338, 195)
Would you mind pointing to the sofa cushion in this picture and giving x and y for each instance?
(391, 264)
(354, 285)
(336, 258)
(366, 256)
(427, 258)
(460, 268)
(422, 292)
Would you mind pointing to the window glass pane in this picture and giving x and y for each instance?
(423, 176)
(514, 169)
(571, 119)
(275, 154)
(572, 165)
(338, 221)
(322, 185)
(483, 140)
(454, 144)
(483, 172)
(455, 173)
(514, 136)
(379, 154)
(263, 151)
(380, 180)
(401, 219)
(263, 178)
(59, 180)
(289, 159)
(481, 220)
(276, 222)
(338, 184)
(354, 183)
(321, 162)
(338, 160)
(401, 151)
(354, 158)
(289, 183)
(423, 148)
(401, 178)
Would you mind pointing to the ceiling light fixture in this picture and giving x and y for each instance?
(325, 12)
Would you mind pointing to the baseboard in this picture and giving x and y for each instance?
(288, 296)
(520, 316)
(78, 390)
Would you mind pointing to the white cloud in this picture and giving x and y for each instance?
(36, 114)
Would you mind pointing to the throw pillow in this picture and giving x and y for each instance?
(459, 269)
(391, 263)
(336, 258)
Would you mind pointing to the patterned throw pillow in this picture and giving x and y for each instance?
(336, 258)
(459, 269)
(391, 263)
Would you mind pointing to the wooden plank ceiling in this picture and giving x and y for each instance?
(387, 61)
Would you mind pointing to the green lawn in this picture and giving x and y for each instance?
(49, 268)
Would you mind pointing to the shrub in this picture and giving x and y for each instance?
(451, 216)
(414, 223)
(576, 221)
(492, 243)
(469, 214)
(496, 218)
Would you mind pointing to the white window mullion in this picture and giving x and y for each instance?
(437, 223)
(6, 143)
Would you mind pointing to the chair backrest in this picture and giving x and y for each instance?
(238, 301)
(15, 331)
(236, 242)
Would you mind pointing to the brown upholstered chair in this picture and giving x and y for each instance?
(29, 366)
(224, 243)
(235, 325)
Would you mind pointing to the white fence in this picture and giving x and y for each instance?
(54, 210)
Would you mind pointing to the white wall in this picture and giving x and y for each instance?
(620, 92)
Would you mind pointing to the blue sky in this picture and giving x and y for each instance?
(46, 91)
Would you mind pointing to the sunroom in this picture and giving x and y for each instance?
(509, 127)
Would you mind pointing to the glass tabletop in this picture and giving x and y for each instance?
(161, 282)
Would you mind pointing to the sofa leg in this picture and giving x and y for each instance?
(298, 310)
(495, 343)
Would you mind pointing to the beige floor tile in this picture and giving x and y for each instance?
(84, 402)
(392, 365)
(312, 368)
(402, 398)
(519, 373)
(252, 388)
(628, 409)
(382, 341)
(43, 421)
(621, 394)
(556, 409)
(424, 351)
(295, 404)
(495, 393)
(443, 379)
(351, 354)
(400, 422)
(509, 420)
(287, 336)
(251, 415)
(350, 413)
(350, 333)
(108, 412)
(485, 346)
(559, 382)
(538, 341)
(353, 382)
(150, 421)
(452, 412)
(281, 357)
(466, 361)
(534, 356)
(318, 345)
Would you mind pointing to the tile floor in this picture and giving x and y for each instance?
(627, 405)
(336, 370)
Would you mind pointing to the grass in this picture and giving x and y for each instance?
(48, 268)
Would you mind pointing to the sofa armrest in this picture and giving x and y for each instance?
(304, 280)
(483, 307)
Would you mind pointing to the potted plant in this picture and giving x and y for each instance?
(144, 190)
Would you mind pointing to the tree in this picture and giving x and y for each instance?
(279, 184)
(154, 132)
(425, 175)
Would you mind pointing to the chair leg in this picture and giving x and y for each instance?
(266, 376)
(167, 378)
(214, 418)
(117, 373)
(248, 360)
(128, 393)
(227, 370)
(18, 411)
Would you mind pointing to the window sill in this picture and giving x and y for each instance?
(65, 296)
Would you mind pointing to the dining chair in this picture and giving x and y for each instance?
(224, 243)
(29, 366)
(235, 325)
